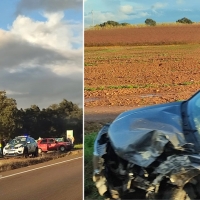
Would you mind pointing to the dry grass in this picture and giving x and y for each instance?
(15, 163)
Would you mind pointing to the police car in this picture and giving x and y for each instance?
(21, 146)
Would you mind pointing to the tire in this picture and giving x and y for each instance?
(175, 193)
(62, 149)
(35, 154)
(25, 154)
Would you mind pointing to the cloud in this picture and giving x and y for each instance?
(16, 53)
(126, 9)
(50, 44)
(123, 13)
(9, 92)
(111, 4)
(39, 62)
(185, 10)
(115, 10)
(158, 6)
(48, 5)
(53, 33)
(180, 1)
(41, 87)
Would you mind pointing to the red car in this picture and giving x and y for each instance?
(50, 144)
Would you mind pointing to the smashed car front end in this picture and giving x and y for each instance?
(142, 149)
(13, 150)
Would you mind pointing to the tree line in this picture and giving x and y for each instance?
(47, 122)
(183, 20)
(148, 21)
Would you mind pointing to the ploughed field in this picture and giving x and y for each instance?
(137, 75)
(168, 34)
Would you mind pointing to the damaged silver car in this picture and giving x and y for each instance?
(150, 153)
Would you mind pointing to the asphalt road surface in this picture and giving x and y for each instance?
(60, 179)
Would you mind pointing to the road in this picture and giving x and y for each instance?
(58, 179)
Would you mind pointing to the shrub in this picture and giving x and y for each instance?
(112, 23)
(150, 22)
(184, 20)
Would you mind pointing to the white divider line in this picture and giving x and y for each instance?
(1, 177)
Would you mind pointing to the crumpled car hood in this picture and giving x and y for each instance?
(139, 136)
(9, 146)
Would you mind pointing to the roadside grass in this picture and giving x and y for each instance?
(137, 86)
(90, 88)
(15, 163)
(118, 87)
(90, 191)
(78, 146)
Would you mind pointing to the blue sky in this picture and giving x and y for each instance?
(41, 51)
(135, 12)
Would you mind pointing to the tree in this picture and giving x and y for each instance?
(184, 20)
(50, 122)
(8, 116)
(150, 22)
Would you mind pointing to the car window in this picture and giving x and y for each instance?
(28, 140)
(51, 141)
(32, 140)
(43, 141)
(18, 140)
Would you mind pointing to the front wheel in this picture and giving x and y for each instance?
(35, 154)
(62, 148)
(25, 154)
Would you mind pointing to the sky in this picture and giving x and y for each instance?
(41, 51)
(136, 12)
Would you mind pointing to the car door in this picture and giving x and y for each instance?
(29, 145)
(33, 145)
(43, 145)
(52, 145)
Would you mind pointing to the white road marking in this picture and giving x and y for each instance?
(1, 177)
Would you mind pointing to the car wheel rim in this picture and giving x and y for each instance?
(62, 148)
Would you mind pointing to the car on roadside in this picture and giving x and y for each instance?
(21, 146)
(150, 153)
(51, 144)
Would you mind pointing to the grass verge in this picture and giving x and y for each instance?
(78, 146)
(137, 86)
(89, 187)
(15, 163)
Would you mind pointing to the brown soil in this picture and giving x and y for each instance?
(121, 78)
(171, 34)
